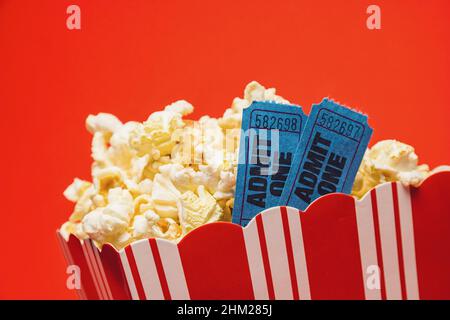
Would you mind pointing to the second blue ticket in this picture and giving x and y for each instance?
(328, 156)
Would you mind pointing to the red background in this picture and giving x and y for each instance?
(133, 57)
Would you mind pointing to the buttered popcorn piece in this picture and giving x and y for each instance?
(160, 178)
(232, 117)
(387, 161)
(155, 136)
(199, 208)
(165, 197)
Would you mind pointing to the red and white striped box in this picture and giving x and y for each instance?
(392, 244)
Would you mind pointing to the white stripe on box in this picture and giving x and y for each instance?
(276, 251)
(255, 261)
(91, 269)
(386, 222)
(407, 234)
(69, 259)
(367, 244)
(128, 275)
(173, 269)
(102, 271)
(147, 270)
(96, 269)
(298, 250)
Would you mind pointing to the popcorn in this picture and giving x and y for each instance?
(182, 177)
(225, 187)
(154, 136)
(145, 186)
(107, 224)
(198, 208)
(253, 92)
(103, 122)
(102, 227)
(107, 178)
(387, 161)
(159, 178)
(165, 197)
(142, 203)
(120, 152)
(70, 227)
(84, 204)
(76, 189)
(151, 225)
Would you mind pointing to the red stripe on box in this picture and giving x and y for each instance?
(376, 226)
(265, 256)
(91, 251)
(160, 269)
(135, 273)
(87, 256)
(114, 273)
(330, 237)
(102, 271)
(290, 253)
(398, 231)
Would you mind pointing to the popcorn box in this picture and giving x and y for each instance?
(392, 244)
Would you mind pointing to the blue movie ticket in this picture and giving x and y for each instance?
(270, 134)
(329, 154)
